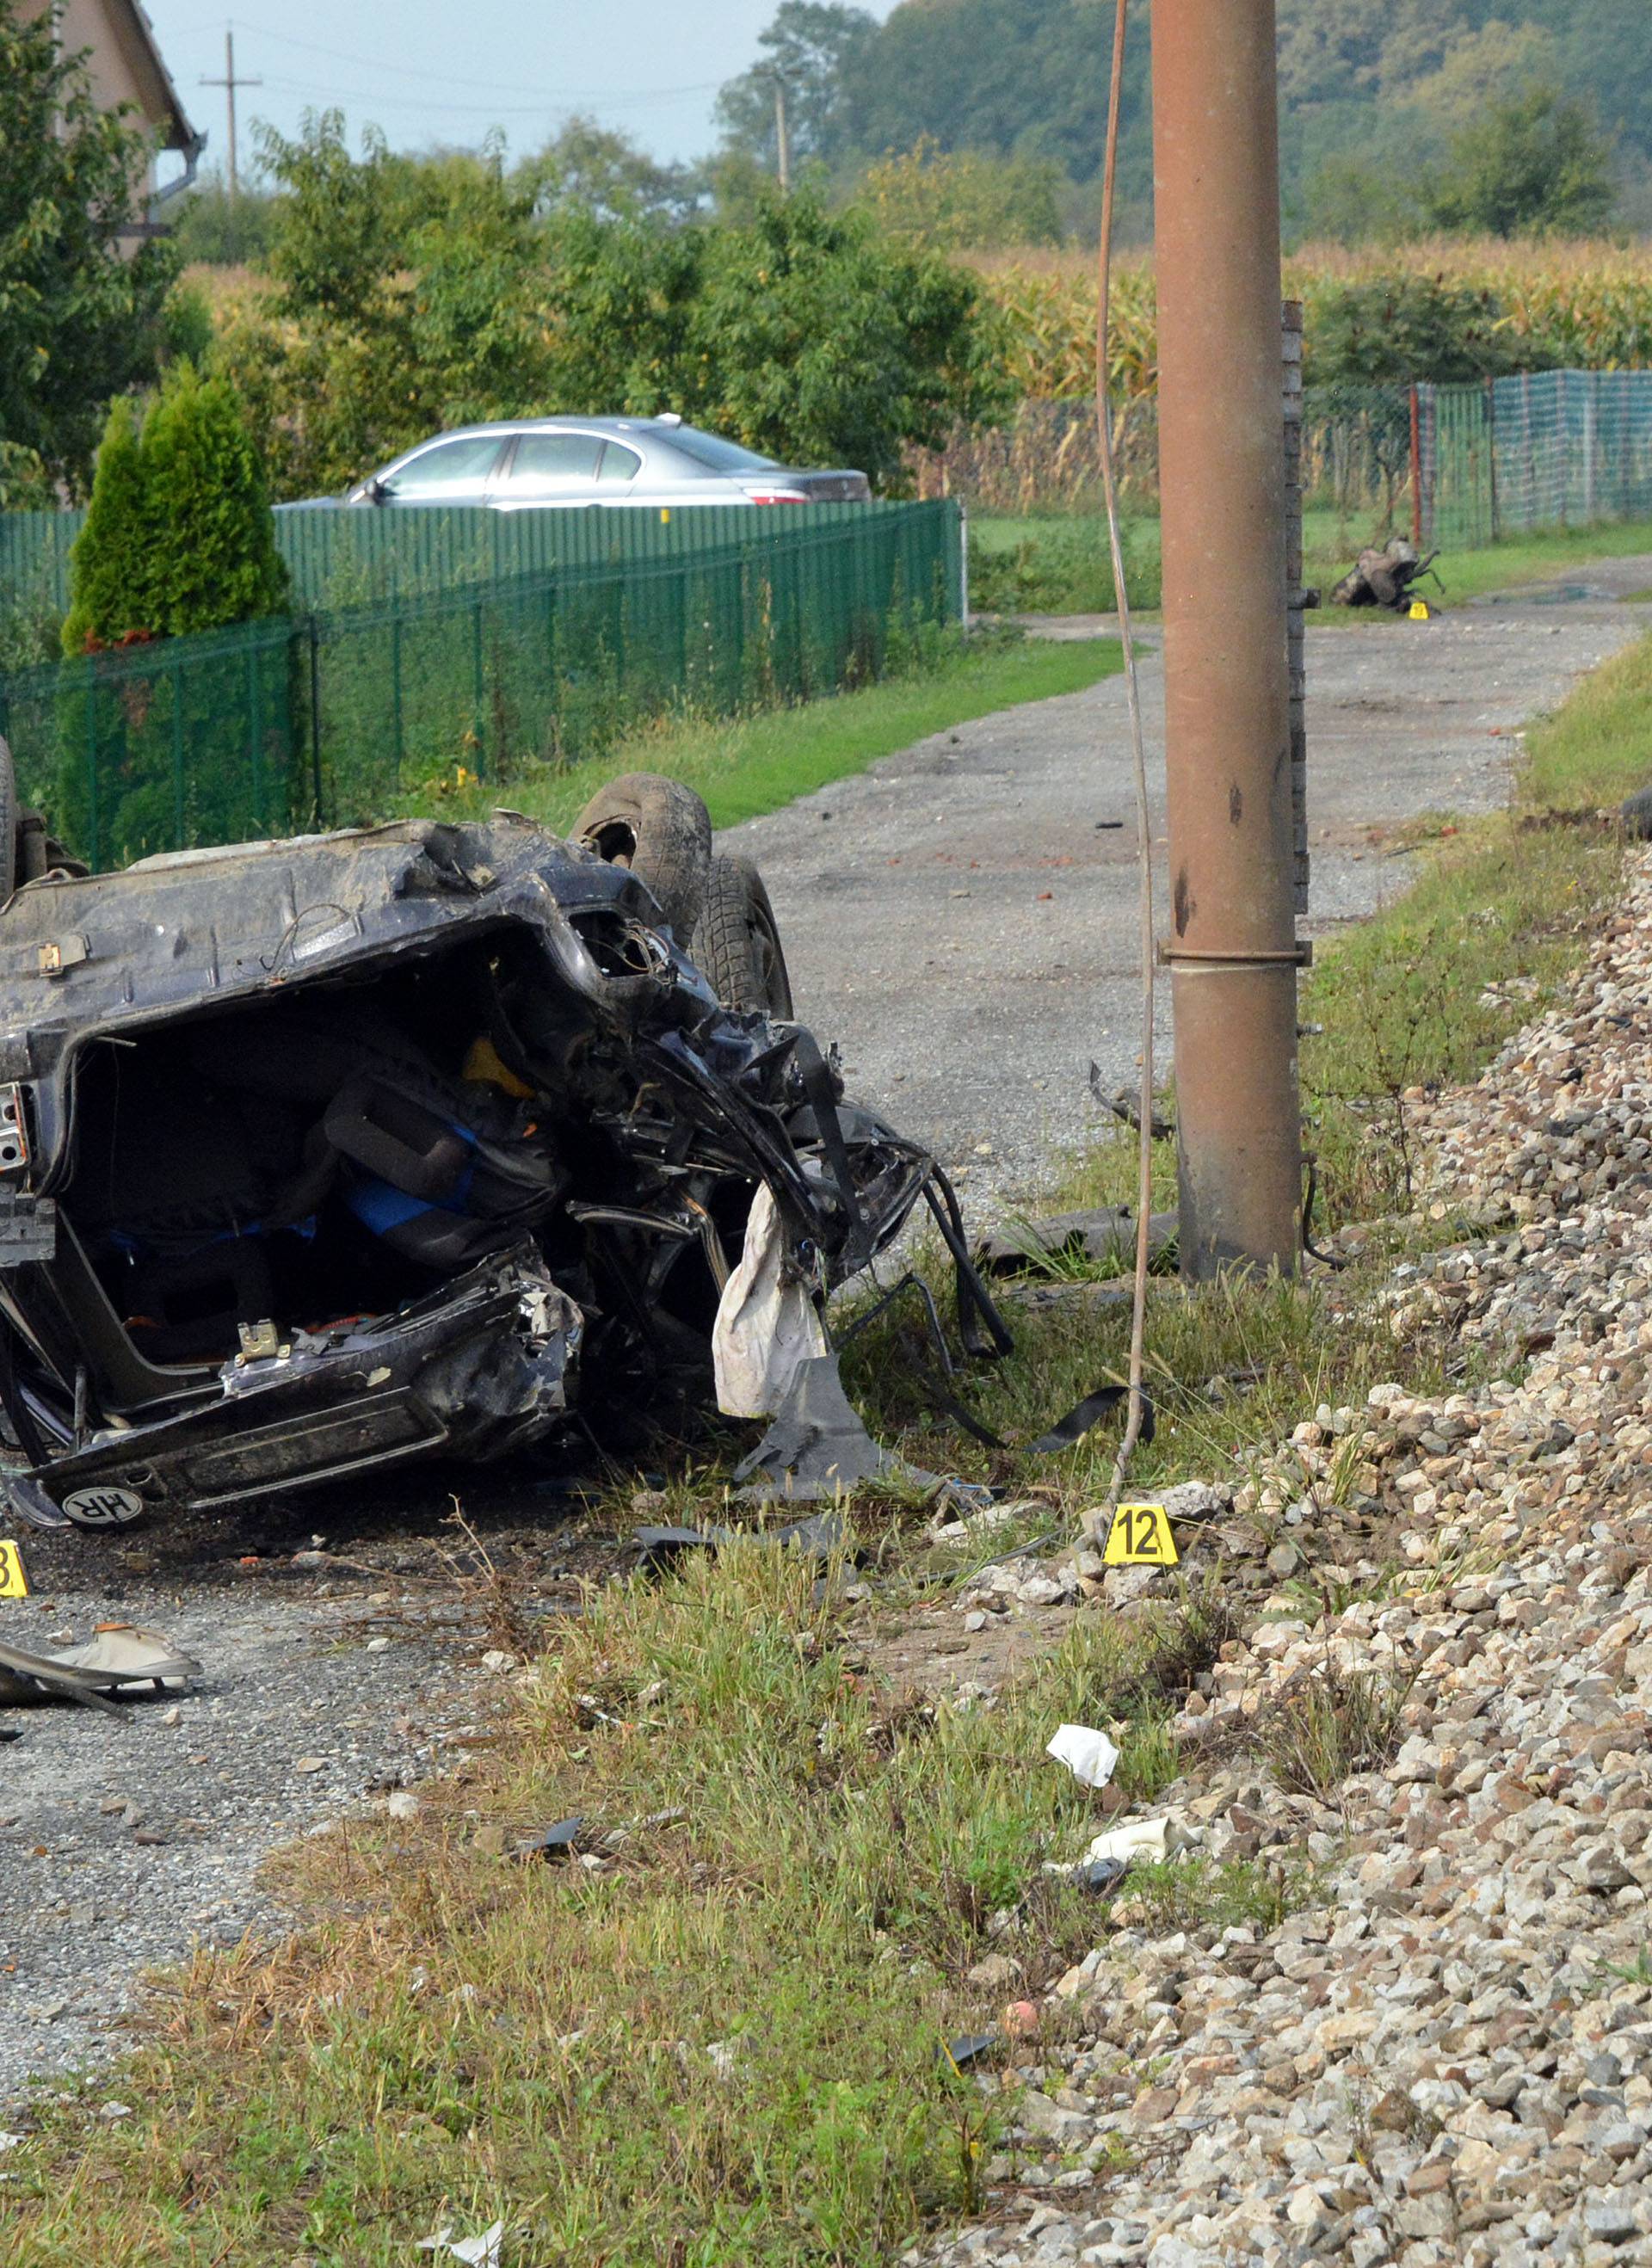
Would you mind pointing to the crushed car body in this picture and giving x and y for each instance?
(324, 1154)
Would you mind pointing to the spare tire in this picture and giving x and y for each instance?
(662, 831)
(737, 945)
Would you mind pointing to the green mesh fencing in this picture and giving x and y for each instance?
(330, 717)
(340, 556)
(1558, 448)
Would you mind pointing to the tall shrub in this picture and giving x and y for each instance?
(179, 536)
(112, 592)
(213, 547)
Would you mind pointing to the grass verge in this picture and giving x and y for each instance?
(722, 2044)
(755, 764)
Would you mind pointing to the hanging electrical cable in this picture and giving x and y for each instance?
(1138, 1407)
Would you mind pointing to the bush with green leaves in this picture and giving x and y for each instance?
(178, 535)
(1402, 329)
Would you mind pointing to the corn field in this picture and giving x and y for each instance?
(1589, 303)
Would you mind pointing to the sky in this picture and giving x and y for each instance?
(430, 71)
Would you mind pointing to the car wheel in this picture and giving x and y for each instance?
(737, 945)
(662, 831)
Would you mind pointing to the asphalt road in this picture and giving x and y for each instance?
(960, 917)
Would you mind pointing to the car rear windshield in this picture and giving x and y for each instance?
(712, 450)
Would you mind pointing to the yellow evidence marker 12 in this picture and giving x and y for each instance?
(14, 1582)
(1140, 1537)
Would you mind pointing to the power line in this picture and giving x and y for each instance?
(560, 97)
(551, 105)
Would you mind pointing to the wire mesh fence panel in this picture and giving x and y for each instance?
(335, 716)
(159, 747)
(1542, 450)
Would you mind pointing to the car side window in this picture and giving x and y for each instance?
(553, 461)
(464, 463)
(619, 464)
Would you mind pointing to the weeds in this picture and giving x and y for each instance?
(1336, 1723)
(1195, 1893)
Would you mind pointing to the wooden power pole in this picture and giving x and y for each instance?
(229, 83)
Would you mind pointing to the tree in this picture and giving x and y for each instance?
(607, 175)
(80, 320)
(815, 339)
(815, 48)
(958, 199)
(112, 600)
(178, 535)
(1395, 330)
(1535, 163)
(212, 539)
(221, 231)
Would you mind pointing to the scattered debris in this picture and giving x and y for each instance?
(961, 2053)
(822, 1535)
(1385, 577)
(1089, 1754)
(1127, 1106)
(117, 1659)
(817, 1446)
(481, 2252)
(560, 1840)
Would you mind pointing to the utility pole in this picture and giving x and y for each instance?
(229, 83)
(1233, 952)
(782, 142)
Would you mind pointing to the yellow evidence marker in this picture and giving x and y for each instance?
(14, 1582)
(1421, 611)
(1140, 1537)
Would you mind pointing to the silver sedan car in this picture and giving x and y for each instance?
(537, 463)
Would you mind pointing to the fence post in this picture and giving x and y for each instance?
(1490, 456)
(1416, 470)
(313, 630)
(395, 694)
(1591, 444)
(478, 686)
(177, 752)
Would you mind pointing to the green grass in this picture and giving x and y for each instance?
(755, 764)
(458, 2037)
(1059, 564)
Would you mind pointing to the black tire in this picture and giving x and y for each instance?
(737, 945)
(8, 823)
(662, 831)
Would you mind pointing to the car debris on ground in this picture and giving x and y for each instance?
(1388, 578)
(325, 1154)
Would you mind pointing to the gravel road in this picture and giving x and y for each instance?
(955, 915)
(962, 915)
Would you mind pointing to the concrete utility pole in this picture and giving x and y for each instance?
(782, 142)
(1233, 952)
(229, 83)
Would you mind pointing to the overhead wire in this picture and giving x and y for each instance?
(1137, 1414)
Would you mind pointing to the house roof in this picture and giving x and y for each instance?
(135, 35)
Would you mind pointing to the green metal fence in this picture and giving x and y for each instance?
(1557, 448)
(340, 556)
(329, 718)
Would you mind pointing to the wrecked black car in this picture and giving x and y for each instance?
(323, 1154)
